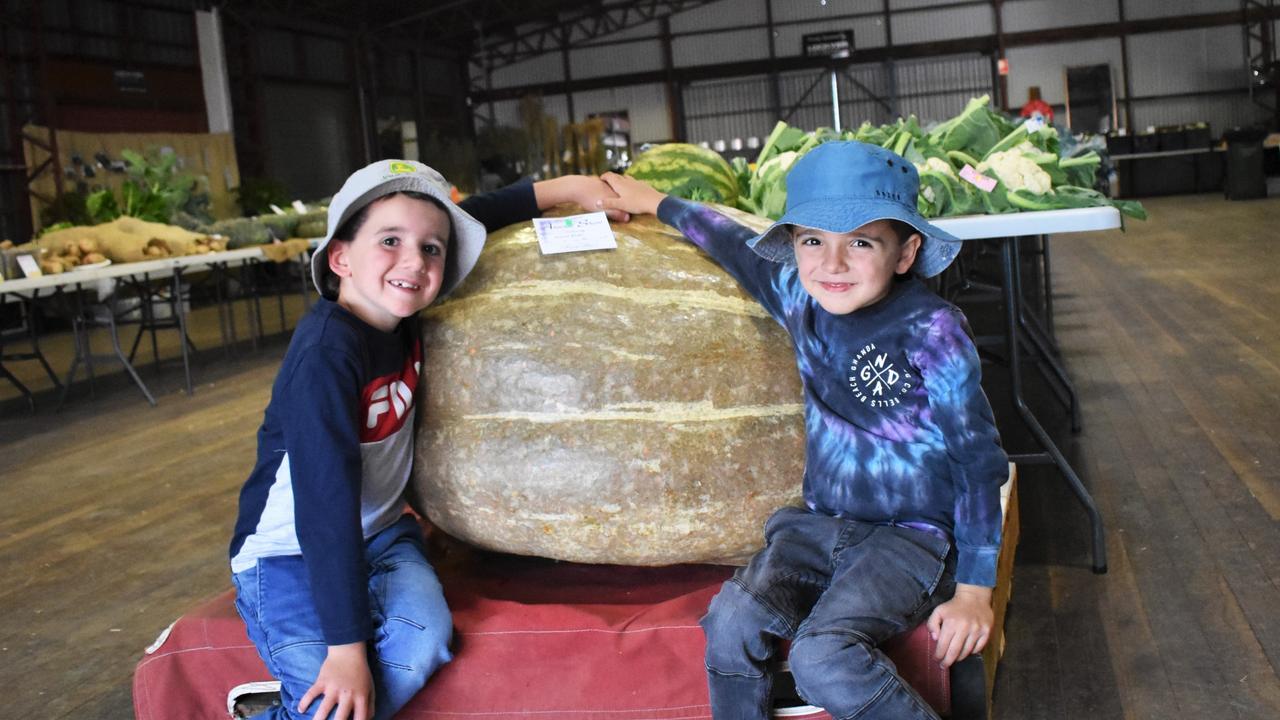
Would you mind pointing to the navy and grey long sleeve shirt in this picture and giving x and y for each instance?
(898, 429)
(335, 448)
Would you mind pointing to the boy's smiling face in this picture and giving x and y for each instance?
(845, 272)
(394, 266)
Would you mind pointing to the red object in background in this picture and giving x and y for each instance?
(533, 639)
(1002, 66)
(1038, 106)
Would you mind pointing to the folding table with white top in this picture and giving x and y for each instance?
(1021, 327)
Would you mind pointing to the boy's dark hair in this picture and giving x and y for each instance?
(903, 230)
(347, 232)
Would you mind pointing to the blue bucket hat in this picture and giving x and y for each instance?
(841, 186)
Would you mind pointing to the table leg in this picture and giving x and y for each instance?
(1048, 288)
(1044, 347)
(85, 327)
(279, 289)
(220, 273)
(306, 282)
(128, 366)
(260, 329)
(34, 334)
(152, 324)
(181, 315)
(248, 285)
(26, 393)
(78, 335)
(1051, 453)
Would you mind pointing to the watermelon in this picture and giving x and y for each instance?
(687, 171)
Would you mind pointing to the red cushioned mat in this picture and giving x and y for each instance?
(534, 639)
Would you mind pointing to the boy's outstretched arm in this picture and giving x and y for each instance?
(586, 191)
(633, 197)
(962, 625)
(346, 684)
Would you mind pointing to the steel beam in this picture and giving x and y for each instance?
(983, 44)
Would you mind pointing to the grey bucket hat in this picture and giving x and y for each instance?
(840, 186)
(386, 177)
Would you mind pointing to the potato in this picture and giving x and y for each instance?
(88, 245)
(93, 258)
(51, 267)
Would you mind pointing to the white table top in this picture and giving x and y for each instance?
(162, 267)
(965, 227)
(1040, 222)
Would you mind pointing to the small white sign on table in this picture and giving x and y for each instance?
(574, 233)
(29, 267)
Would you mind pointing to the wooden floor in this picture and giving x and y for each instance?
(114, 516)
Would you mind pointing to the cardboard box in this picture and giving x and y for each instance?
(1004, 578)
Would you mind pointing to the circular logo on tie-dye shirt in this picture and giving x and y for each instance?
(877, 380)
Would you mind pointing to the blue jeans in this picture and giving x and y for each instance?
(412, 626)
(837, 588)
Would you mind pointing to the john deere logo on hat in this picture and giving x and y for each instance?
(402, 167)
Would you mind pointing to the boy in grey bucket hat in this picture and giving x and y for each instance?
(321, 527)
(388, 177)
(901, 519)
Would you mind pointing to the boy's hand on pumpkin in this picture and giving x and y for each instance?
(586, 191)
(633, 196)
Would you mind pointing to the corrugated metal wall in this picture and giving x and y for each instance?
(943, 23)
(101, 28)
(728, 109)
(932, 89)
(1044, 14)
(1140, 9)
(1165, 66)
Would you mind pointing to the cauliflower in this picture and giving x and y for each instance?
(780, 163)
(1018, 171)
(937, 165)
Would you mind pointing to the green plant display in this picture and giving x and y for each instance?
(256, 195)
(154, 190)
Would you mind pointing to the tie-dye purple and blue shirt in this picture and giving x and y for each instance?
(897, 427)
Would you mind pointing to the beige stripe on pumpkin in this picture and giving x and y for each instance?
(649, 412)
(561, 289)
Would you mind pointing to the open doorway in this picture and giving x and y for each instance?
(1091, 102)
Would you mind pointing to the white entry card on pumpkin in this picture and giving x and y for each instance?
(574, 233)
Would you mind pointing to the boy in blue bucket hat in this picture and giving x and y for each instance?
(903, 461)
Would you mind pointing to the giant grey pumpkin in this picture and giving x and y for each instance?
(628, 406)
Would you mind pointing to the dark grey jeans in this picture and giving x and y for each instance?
(837, 588)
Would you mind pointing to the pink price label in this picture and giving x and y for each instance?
(977, 179)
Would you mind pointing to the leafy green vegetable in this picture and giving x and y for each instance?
(102, 207)
(1081, 170)
(976, 130)
(1029, 166)
(782, 139)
